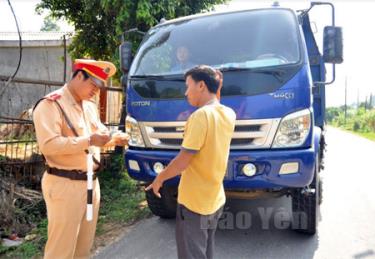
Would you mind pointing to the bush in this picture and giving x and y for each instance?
(121, 202)
(359, 120)
(120, 195)
(356, 126)
(19, 215)
(370, 118)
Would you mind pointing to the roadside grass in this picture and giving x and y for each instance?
(359, 121)
(28, 249)
(122, 203)
(368, 135)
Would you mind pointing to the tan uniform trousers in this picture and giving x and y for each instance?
(70, 235)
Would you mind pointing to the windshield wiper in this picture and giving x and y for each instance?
(277, 73)
(159, 77)
(225, 69)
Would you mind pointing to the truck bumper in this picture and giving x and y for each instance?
(140, 163)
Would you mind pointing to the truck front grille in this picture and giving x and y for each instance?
(248, 134)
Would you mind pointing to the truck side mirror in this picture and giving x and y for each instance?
(124, 80)
(125, 56)
(333, 45)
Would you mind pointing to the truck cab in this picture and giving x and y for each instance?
(274, 79)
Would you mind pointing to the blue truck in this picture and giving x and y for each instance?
(274, 79)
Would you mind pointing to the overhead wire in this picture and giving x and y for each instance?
(20, 52)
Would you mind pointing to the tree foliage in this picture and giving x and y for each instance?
(49, 25)
(360, 120)
(99, 24)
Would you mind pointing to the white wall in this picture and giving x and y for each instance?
(40, 61)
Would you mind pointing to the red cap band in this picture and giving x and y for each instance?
(98, 71)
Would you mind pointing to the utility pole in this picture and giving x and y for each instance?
(370, 102)
(346, 91)
(357, 98)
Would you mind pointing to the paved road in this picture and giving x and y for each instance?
(347, 220)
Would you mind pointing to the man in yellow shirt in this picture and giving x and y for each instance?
(67, 125)
(202, 163)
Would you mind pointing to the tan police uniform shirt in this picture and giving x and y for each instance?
(57, 142)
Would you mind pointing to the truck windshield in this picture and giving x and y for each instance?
(248, 39)
(238, 42)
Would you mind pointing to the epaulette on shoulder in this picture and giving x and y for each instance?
(53, 96)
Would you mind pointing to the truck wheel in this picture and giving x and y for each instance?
(164, 207)
(305, 206)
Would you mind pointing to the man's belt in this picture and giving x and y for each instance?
(71, 174)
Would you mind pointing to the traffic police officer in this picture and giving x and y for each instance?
(67, 124)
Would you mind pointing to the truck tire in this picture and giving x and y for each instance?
(164, 207)
(305, 206)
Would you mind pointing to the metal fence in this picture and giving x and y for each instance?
(20, 158)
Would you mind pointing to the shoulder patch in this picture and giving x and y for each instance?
(53, 97)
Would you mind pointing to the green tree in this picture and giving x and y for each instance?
(49, 24)
(333, 113)
(99, 24)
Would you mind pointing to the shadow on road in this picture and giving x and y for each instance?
(248, 229)
(345, 232)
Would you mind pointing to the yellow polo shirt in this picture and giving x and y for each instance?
(208, 133)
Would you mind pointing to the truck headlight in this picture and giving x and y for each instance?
(293, 130)
(132, 128)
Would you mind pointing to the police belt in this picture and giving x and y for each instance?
(71, 174)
